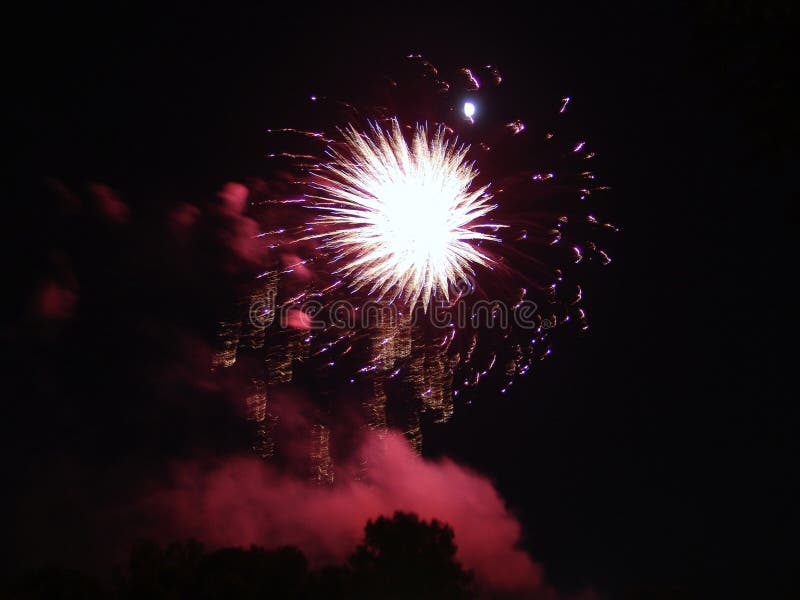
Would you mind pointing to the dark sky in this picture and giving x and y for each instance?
(653, 453)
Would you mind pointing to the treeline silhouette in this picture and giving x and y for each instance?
(399, 557)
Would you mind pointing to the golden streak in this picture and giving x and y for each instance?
(403, 219)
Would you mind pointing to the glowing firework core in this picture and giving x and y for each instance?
(403, 218)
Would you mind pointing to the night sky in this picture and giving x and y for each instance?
(652, 455)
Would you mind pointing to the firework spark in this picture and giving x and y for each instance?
(405, 220)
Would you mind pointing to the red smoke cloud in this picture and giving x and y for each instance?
(109, 205)
(54, 301)
(240, 500)
(297, 319)
(243, 501)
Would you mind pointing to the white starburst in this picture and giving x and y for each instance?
(403, 219)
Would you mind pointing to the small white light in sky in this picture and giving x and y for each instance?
(469, 109)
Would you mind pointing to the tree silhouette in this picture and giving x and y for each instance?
(55, 584)
(186, 571)
(404, 557)
(399, 558)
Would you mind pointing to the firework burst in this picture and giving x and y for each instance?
(404, 220)
(424, 280)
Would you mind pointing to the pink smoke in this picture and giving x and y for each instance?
(243, 501)
(54, 301)
(109, 205)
